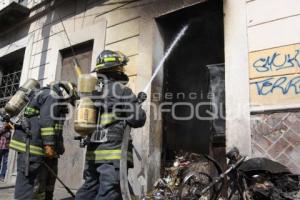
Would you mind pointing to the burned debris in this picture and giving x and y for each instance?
(247, 179)
(187, 173)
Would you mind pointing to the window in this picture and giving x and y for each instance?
(10, 74)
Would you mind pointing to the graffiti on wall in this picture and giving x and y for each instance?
(275, 76)
(276, 61)
(283, 85)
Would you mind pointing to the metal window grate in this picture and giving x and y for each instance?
(8, 86)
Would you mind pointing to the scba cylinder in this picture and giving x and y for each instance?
(86, 83)
(17, 103)
(85, 118)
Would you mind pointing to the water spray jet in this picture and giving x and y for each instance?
(167, 54)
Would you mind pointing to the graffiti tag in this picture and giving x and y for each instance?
(282, 84)
(277, 61)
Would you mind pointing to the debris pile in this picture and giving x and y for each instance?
(270, 180)
(177, 182)
(188, 178)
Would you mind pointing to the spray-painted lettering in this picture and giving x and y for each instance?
(277, 61)
(283, 84)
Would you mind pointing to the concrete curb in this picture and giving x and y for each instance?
(6, 185)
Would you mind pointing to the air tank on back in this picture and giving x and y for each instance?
(85, 117)
(17, 103)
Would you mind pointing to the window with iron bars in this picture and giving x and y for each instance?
(9, 86)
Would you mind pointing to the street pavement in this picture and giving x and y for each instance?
(7, 193)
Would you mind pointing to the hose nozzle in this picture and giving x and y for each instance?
(142, 96)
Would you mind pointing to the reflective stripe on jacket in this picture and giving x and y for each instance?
(39, 115)
(47, 131)
(58, 127)
(105, 155)
(21, 147)
(107, 119)
(31, 111)
(118, 106)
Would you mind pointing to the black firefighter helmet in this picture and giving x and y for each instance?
(109, 61)
(111, 64)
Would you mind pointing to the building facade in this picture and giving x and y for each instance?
(256, 39)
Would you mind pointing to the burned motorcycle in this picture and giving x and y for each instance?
(182, 177)
(252, 179)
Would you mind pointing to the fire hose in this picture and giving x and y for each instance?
(124, 184)
(59, 180)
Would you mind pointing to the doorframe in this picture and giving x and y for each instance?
(238, 131)
(236, 69)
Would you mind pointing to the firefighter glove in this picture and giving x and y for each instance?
(50, 151)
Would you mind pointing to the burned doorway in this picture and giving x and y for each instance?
(187, 90)
(73, 158)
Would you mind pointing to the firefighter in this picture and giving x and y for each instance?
(37, 130)
(66, 95)
(101, 174)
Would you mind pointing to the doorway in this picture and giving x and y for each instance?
(187, 79)
(73, 158)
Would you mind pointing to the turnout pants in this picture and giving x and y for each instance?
(26, 186)
(102, 182)
(46, 180)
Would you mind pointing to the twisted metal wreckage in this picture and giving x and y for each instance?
(247, 179)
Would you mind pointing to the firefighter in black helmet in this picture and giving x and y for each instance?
(101, 174)
(41, 127)
(65, 95)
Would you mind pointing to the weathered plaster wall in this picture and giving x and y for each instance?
(111, 25)
(273, 37)
(236, 77)
(127, 27)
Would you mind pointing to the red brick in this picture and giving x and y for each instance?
(293, 123)
(289, 150)
(262, 141)
(278, 147)
(283, 159)
(276, 119)
(292, 138)
(276, 133)
(263, 128)
(257, 151)
(293, 167)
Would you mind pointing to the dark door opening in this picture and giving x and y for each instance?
(186, 81)
(10, 74)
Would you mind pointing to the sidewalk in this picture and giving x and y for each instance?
(7, 193)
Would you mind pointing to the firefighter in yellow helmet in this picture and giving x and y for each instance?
(117, 106)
